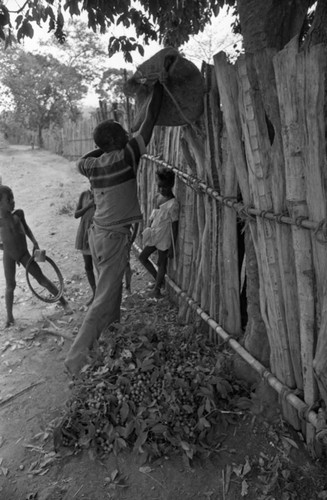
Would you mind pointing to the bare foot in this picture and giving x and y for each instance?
(74, 362)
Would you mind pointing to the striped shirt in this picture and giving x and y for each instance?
(113, 179)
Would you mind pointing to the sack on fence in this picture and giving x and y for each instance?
(183, 89)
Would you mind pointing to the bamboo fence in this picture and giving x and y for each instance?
(261, 147)
(252, 174)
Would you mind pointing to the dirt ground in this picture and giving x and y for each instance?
(260, 457)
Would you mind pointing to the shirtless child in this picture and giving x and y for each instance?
(14, 230)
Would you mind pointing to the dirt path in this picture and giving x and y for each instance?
(34, 386)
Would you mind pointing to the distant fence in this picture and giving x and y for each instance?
(76, 137)
(251, 183)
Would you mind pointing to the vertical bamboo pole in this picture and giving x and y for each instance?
(257, 147)
(229, 94)
(313, 112)
(284, 241)
(195, 138)
(228, 91)
(174, 159)
(285, 64)
(194, 235)
(228, 300)
(229, 310)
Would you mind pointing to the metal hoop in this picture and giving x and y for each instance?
(54, 298)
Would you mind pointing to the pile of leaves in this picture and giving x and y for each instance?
(153, 387)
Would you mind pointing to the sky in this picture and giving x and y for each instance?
(219, 30)
(218, 36)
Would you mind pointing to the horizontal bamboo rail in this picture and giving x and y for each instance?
(241, 208)
(304, 411)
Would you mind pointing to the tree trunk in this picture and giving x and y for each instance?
(318, 31)
(40, 137)
(271, 23)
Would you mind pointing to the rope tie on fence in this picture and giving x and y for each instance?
(304, 412)
(244, 213)
(321, 228)
(299, 219)
(230, 201)
(278, 217)
(321, 434)
(264, 213)
(265, 376)
(194, 183)
(299, 393)
(285, 391)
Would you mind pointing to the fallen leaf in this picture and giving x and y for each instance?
(245, 488)
(145, 469)
(114, 474)
(228, 473)
(246, 467)
(5, 471)
(237, 469)
(290, 441)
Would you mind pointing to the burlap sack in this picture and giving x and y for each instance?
(183, 95)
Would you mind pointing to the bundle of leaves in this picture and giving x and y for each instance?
(154, 389)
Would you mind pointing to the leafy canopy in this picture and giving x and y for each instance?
(111, 85)
(167, 21)
(42, 89)
(83, 50)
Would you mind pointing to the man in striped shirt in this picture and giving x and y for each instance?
(111, 170)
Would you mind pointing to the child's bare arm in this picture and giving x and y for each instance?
(27, 229)
(79, 213)
(80, 210)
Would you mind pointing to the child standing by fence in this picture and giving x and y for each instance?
(162, 233)
(85, 210)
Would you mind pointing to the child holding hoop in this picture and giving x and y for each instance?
(14, 230)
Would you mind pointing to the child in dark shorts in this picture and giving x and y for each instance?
(14, 230)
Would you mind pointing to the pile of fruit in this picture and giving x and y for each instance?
(154, 389)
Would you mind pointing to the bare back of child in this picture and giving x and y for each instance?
(14, 230)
